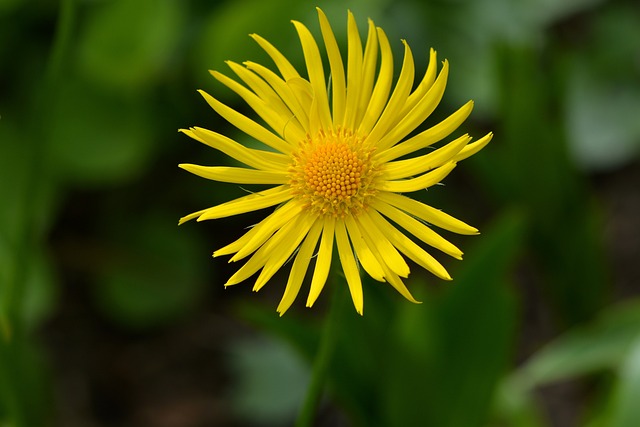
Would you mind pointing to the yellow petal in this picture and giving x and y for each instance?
(252, 202)
(262, 231)
(337, 68)
(354, 72)
(236, 175)
(284, 243)
(300, 266)
(419, 183)
(260, 88)
(247, 125)
(368, 72)
(428, 137)
(398, 98)
(387, 267)
(323, 261)
(284, 91)
(257, 159)
(418, 165)
(423, 109)
(410, 248)
(255, 263)
(427, 213)
(260, 258)
(382, 87)
(284, 66)
(399, 285)
(473, 148)
(388, 253)
(363, 252)
(315, 122)
(349, 266)
(316, 72)
(191, 216)
(418, 229)
(302, 91)
(278, 120)
(424, 86)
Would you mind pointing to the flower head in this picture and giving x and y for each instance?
(337, 160)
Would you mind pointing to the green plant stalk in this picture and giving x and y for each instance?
(324, 355)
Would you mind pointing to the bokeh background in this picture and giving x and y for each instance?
(112, 315)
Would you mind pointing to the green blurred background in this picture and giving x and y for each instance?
(111, 315)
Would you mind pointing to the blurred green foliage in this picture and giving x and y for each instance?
(91, 96)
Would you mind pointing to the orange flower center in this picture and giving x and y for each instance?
(333, 173)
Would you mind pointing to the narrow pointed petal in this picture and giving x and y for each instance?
(354, 72)
(419, 183)
(423, 109)
(275, 118)
(399, 285)
(382, 87)
(427, 213)
(284, 91)
(260, 258)
(473, 148)
(247, 125)
(315, 122)
(429, 136)
(255, 263)
(349, 266)
(264, 255)
(339, 87)
(363, 252)
(323, 261)
(252, 202)
(417, 165)
(388, 270)
(236, 175)
(281, 250)
(300, 266)
(424, 86)
(370, 62)
(398, 98)
(263, 231)
(418, 229)
(191, 216)
(388, 253)
(410, 248)
(302, 91)
(284, 66)
(316, 72)
(260, 88)
(257, 159)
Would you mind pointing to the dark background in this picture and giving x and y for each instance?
(111, 315)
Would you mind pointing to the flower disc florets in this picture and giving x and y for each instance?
(333, 173)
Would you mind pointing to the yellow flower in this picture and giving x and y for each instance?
(333, 160)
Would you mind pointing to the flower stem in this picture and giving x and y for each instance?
(322, 361)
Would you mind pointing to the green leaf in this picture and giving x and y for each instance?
(626, 411)
(604, 344)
